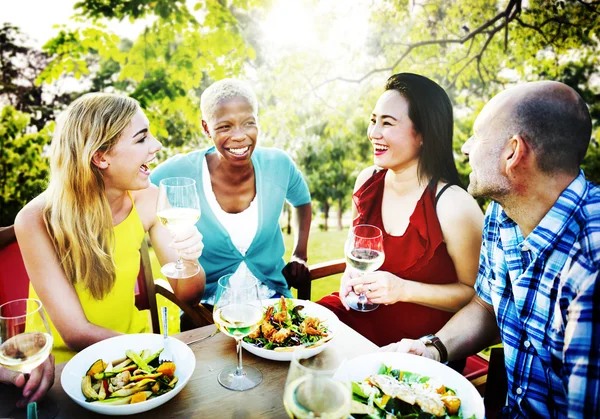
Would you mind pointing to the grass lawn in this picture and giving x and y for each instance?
(322, 246)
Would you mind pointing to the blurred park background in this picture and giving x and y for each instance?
(318, 68)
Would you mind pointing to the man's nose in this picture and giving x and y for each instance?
(466, 148)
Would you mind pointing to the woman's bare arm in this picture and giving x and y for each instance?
(50, 282)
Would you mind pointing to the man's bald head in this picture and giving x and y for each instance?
(550, 116)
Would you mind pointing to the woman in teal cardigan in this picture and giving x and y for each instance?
(242, 190)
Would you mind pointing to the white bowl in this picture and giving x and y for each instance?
(114, 348)
(363, 366)
(310, 309)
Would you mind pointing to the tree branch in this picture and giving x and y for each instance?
(512, 10)
(589, 7)
(535, 28)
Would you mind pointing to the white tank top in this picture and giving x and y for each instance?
(241, 227)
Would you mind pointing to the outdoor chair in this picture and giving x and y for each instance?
(197, 316)
(14, 283)
(482, 371)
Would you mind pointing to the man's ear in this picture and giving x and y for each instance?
(516, 154)
(205, 126)
(99, 160)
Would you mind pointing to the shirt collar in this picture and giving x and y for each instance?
(556, 220)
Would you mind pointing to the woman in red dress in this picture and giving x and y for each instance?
(431, 226)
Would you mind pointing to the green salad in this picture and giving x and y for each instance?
(401, 394)
(284, 327)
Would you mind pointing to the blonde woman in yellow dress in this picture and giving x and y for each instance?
(80, 239)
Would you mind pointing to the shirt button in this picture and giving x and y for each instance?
(519, 390)
(527, 344)
(524, 248)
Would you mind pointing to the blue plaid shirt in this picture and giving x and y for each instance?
(545, 291)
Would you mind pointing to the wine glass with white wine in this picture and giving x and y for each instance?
(178, 206)
(364, 252)
(20, 349)
(25, 343)
(311, 391)
(238, 312)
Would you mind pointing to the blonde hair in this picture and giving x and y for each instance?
(77, 214)
(223, 90)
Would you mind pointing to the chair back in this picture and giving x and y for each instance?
(14, 281)
(318, 271)
(148, 289)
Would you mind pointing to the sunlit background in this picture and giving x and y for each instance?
(317, 67)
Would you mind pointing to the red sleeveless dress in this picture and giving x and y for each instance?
(418, 255)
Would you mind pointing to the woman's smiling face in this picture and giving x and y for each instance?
(127, 162)
(233, 129)
(396, 144)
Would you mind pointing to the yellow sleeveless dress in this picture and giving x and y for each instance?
(117, 310)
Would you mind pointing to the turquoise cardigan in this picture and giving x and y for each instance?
(277, 179)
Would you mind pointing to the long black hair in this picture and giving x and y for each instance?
(430, 110)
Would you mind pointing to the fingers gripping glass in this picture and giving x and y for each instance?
(178, 207)
(237, 313)
(364, 252)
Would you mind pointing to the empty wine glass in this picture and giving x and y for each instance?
(311, 391)
(364, 252)
(178, 206)
(237, 313)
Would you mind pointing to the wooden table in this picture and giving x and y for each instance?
(203, 396)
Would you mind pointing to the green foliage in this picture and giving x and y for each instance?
(330, 164)
(165, 69)
(132, 9)
(20, 65)
(23, 166)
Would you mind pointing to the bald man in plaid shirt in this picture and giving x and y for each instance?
(538, 285)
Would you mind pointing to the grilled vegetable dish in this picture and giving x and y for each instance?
(133, 379)
(284, 327)
(401, 394)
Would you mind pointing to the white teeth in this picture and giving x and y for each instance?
(380, 147)
(144, 167)
(238, 151)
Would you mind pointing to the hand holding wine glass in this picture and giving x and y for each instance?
(237, 313)
(311, 390)
(364, 252)
(178, 208)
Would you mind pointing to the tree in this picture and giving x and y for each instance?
(19, 68)
(165, 69)
(330, 165)
(23, 164)
(476, 48)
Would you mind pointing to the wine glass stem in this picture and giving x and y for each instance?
(179, 264)
(239, 371)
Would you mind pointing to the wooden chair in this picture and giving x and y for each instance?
(14, 282)
(199, 315)
(318, 271)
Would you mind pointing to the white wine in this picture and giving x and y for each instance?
(310, 397)
(238, 320)
(365, 260)
(178, 217)
(26, 351)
